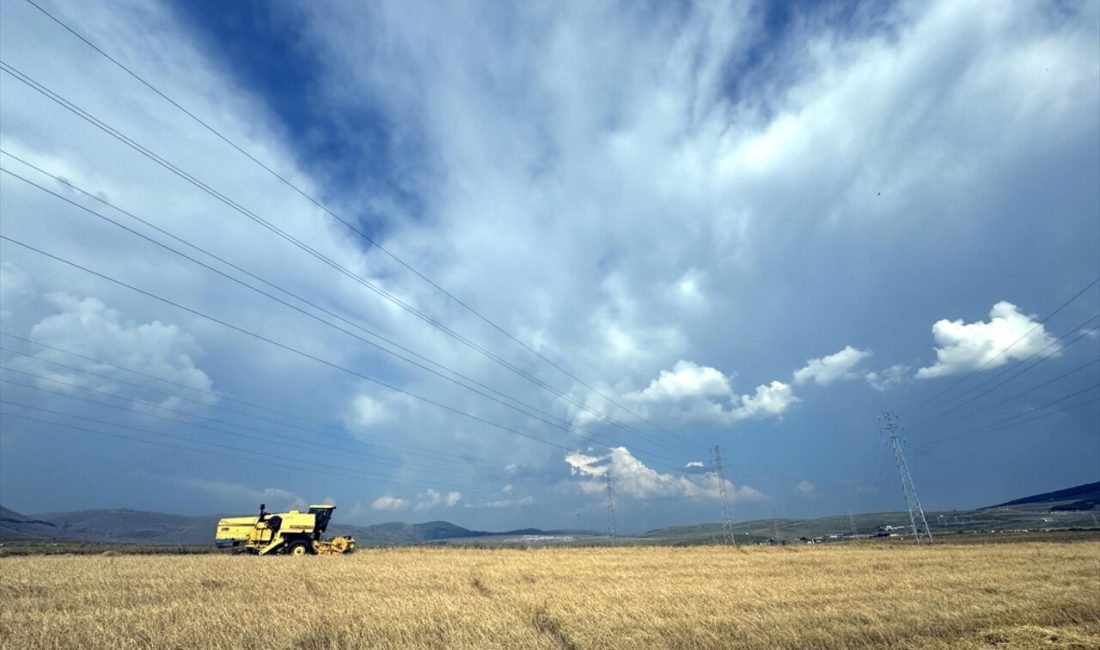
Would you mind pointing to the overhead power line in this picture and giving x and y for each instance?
(220, 396)
(284, 346)
(1019, 369)
(523, 408)
(265, 282)
(318, 447)
(1014, 397)
(1006, 348)
(1008, 420)
(222, 432)
(346, 223)
(268, 460)
(326, 430)
(994, 429)
(435, 323)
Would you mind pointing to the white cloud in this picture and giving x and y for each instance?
(805, 488)
(14, 285)
(367, 411)
(388, 502)
(701, 394)
(243, 497)
(518, 502)
(507, 489)
(771, 400)
(685, 380)
(597, 177)
(964, 347)
(884, 379)
(88, 327)
(830, 368)
(430, 498)
(634, 479)
(584, 464)
(694, 463)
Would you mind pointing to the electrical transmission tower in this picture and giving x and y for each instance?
(891, 429)
(727, 514)
(609, 490)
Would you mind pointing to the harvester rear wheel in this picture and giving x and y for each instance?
(300, 547)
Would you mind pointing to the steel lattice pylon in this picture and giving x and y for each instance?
(891, 428)
(610, 504)
(727, 514)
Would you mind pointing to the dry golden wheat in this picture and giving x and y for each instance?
(1001, 595)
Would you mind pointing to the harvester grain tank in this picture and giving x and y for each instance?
(291, 533)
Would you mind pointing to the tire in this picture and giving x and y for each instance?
(300, 547)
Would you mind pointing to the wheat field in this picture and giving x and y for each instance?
(845, 596)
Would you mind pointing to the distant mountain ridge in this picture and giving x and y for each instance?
(14, 525)
(140, 527)
(1086, 494)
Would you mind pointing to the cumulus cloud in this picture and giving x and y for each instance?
(694, 463)
(964, 347)
(685, 380)
(828, 369)
(805, 488)
(593, 207)
(517, 502)
(884, 379)
(367, 411)
(634, 479)
(240, 496)
(703, 394)
(388, 502)
(14, 285)
(771, 400)
(430, 498)
(88, 327)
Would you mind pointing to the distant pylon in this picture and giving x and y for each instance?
(609, 490)
(727, 514)
(891, 429)
(852, 523)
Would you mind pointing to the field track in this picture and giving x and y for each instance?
(1020, 595)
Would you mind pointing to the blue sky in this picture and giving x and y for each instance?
(730, 224)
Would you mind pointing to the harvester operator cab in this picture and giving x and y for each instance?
(321, 516)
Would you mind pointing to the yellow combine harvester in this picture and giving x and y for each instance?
(291, 533)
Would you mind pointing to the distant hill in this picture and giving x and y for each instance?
(1082, 497)
(14, 525)
(1071, 507)
(139, 527)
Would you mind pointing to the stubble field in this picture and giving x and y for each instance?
(854, 596)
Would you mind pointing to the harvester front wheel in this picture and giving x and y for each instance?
(300, 547)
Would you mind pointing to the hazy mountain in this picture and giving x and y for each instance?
(1070, 507)
(138, 527)
(1084, 497)
(14, 525)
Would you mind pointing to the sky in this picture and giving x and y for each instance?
(477, 261)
